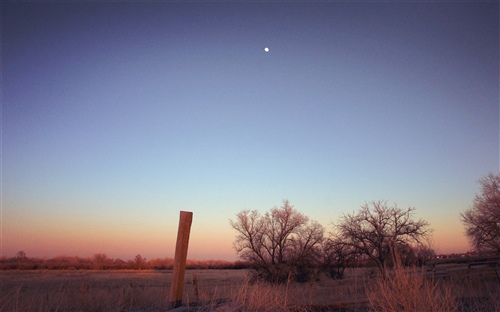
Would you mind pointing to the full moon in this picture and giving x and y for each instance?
(266, 49)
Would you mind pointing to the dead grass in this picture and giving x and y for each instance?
(149, 290)
(83, 291)
(476, 290)
(261, 296)
(411, 290)
(414, 290)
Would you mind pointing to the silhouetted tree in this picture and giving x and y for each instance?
(100, 260)
(377, 230)
(482, 220)
(337, 256)
(276, 241)
(139, 262)
(21, 255)
(306, 251)
(423, 253)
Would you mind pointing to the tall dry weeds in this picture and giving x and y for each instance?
(262, 296)
(411, 290)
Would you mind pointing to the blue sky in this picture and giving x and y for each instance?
(115, 116)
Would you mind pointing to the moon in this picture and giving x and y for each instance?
(266, 49)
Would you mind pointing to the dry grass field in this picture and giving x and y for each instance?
(148, 291)
(96, 290)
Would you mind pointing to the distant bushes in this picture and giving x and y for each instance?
(102, 262)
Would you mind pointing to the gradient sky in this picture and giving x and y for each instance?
(117, 116)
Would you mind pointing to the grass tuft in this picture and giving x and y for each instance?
(411, 290)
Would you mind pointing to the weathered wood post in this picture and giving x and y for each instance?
(181, 249)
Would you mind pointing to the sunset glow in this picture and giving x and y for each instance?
(116, 116)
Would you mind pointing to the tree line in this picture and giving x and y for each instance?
(101, 261)
(284, 244)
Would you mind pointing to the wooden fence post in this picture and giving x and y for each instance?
(181, 249)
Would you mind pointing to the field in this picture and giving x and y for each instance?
(148, 290)
(105, 290)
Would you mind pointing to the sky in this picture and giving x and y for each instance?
(117, 116)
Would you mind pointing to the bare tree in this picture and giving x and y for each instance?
(306, 251)
(273, 241)
(249, 241)
(100, 260)
(21, 255)
(337, 256)
(377, 230)
(139, 262)
(424, 253)
(482, 220)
